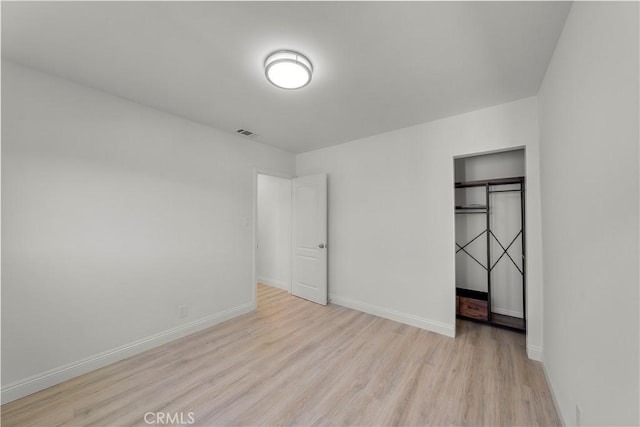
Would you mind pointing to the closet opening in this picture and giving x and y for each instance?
(490, 239)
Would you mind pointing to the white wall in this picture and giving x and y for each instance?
(391, 222)
(588, 106)
(113, 214)
(274, 231)
(505, 219)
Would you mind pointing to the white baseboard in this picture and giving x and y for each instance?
(274, 282)
(553, 394)
(534, 352)
(507, 312)
(60, 374)
(387, 313)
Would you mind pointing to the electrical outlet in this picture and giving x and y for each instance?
(578, 416)
(182, 311)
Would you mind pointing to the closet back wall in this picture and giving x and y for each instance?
(491, 166)
(114, 214)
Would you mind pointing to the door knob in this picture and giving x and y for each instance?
(321, 245)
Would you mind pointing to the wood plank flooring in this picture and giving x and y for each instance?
(293, 362)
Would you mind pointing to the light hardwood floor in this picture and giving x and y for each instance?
(293, 362)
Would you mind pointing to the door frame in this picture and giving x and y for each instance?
(254, 241)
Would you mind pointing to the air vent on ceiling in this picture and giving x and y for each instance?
(245, 132)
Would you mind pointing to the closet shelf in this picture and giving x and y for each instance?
(485, 182)
(471, 207)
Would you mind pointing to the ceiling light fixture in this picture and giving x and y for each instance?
(288, 69)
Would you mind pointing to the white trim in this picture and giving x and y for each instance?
(387, 313)
(553, 394)
(60, 374)
(534, 352)
(452, 249)
(276, 283)
(507, 312)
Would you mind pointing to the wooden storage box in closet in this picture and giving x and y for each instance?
(473, 308)
(472, 304)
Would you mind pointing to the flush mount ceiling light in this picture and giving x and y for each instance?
(288, 69)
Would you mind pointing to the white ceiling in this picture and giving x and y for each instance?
(378, 66)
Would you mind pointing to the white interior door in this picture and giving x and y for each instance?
(309, 237)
